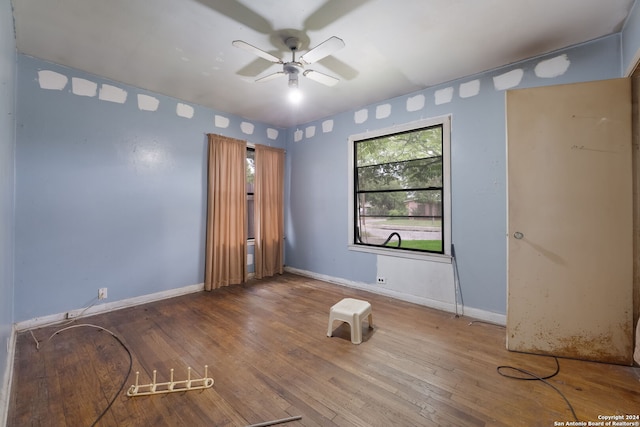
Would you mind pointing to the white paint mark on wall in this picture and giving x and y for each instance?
(297, 135)
(415, 103)
(112, 94)
(553, 67)
(361, 116)
(310, 131)
(147, 103)
(221, 121)
(272, 133)
(383, 111)
(247, 128)
(508, 80)
(82, 87)
(443, 96)
(184, 110)
(327, 126)
(469, 89)
(48, 79)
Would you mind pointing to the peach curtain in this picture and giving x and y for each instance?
(269, 211)
(226, 250)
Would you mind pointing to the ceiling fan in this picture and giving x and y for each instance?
(295, 67)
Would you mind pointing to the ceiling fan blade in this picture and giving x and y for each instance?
(261, 53)
(325, 48)
(319, 77)
(270, 77)
(337, 68)
(257, 67)
(235, 10)
(331, 11)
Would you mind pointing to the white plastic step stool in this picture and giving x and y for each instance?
(353, 312)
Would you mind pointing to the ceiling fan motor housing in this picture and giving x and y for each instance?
(292, 68)
(292, 43)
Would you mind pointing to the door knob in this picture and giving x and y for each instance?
(518, 235)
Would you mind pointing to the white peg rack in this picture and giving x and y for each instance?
(171, 386)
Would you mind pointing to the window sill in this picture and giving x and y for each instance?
(443, 258)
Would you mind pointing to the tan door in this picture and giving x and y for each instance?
(570, 221)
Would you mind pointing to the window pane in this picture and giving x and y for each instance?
(420, 143)
(250, 215)
(411, 233)
(413, 220)
(251, 169)
(401, 203)
(418, 173)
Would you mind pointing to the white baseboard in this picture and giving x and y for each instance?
(487, 316)
(106, 307)
(5, 391)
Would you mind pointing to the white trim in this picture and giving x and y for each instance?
(487, 316)
(110, 306)
(5, 392)
(636, 56)
(445, 121)
(506, 189)
(633, 64)
(401, 254)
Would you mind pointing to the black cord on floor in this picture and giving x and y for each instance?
(530, 376)
(124, 382)
(535, 377)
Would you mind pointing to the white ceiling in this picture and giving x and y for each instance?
(182, 48)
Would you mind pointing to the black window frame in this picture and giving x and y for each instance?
(359, 211)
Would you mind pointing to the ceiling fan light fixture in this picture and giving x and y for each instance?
(293, 80)
(295, 95)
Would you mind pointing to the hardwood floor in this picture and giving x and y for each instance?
(266, 347)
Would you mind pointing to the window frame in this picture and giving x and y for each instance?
(445, 122)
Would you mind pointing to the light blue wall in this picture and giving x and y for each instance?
(317, 200)
(108, 195)
(7, 149)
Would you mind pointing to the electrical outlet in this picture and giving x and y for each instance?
(102, 293)
(381, 280)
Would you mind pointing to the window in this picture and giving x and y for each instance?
(400, 198)
(251, 174)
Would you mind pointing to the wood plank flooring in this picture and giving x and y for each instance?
(266, 347)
